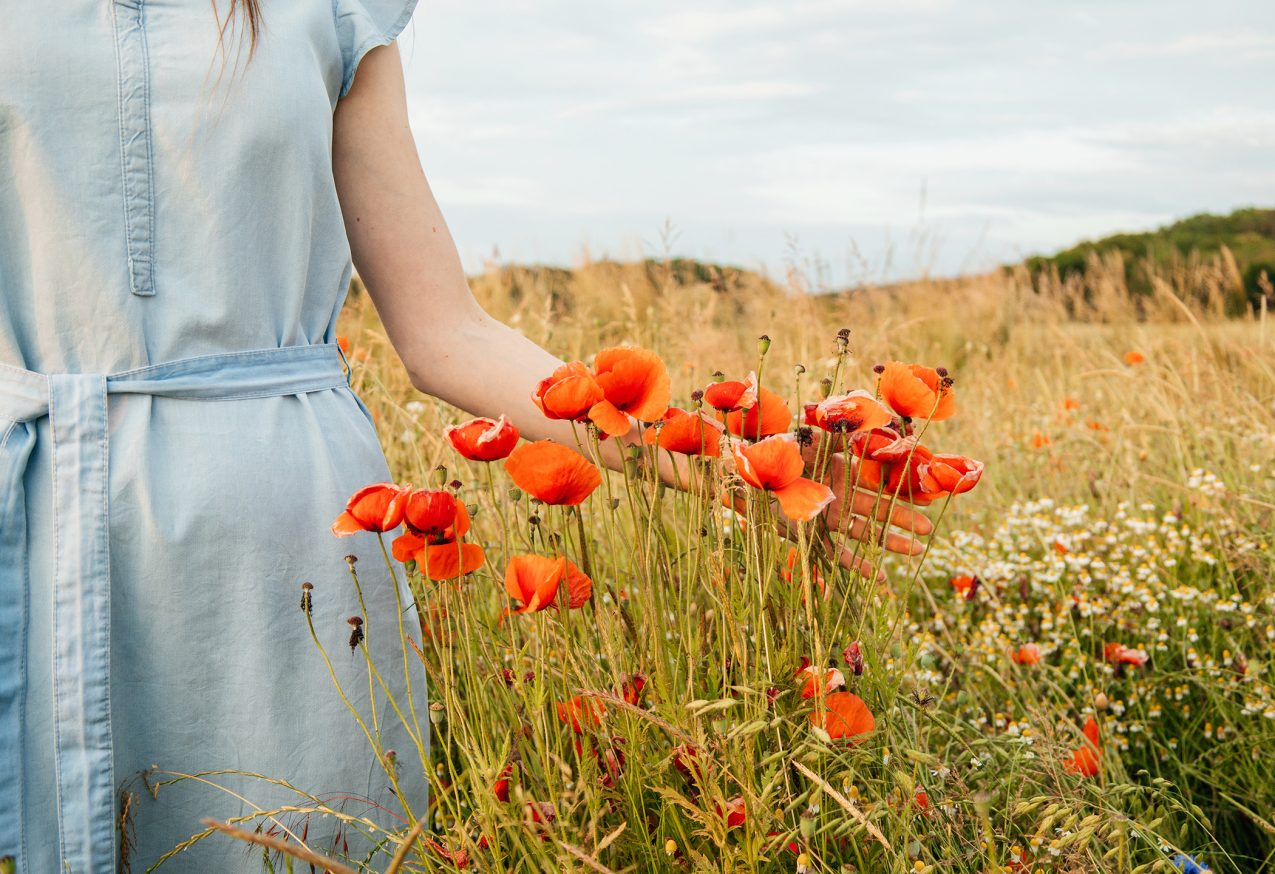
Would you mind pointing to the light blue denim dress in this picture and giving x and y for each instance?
(177, 434)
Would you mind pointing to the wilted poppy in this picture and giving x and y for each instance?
(966, 586)
(735, 813)
(632, 690)
(850, 413)
(917, 392)
(775, 465)
(610, 763)
(378, 507)
(634, 383)
(553, 473)
(1086, 758)
(1027, 654)
(844, 717)
(1119, 654)
(687, 434)
(686, 761)
(830, 679)
(581, 712)
(852, 655)
(955, 474)
(569, 393)
(883, 444)
(770, 415)
(533, 581)
(911, 479)
(483, 439)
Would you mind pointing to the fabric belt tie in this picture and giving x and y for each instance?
(76, 405)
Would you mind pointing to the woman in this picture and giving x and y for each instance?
(176, 433)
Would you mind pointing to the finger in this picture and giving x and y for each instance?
(901, 515)
(862, 565)
(860, 529)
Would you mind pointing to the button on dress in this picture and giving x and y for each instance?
(177, 434)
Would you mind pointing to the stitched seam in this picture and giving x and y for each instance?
(4, 440)
(150, 146)
(194, 359)
(105, 558)
(119, 106)
(57, 562)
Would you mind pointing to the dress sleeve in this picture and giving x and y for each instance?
(363, 24)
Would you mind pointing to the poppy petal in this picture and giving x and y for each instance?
(804, 499)
(609, 419)
(553, 473)
(452, 560)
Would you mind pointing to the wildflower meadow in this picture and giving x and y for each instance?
(964, 576)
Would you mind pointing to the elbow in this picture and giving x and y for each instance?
(441, 349)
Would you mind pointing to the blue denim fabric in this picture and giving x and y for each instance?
(177, 433)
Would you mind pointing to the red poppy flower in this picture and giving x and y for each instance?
(500, 788)
(553, 473)
(483, 439)
(569, 393)
(1085, 760)
(1118, 654)
(850, 413)
(431, 512)
(830, 678)
(853, 657)
(883, 444)
(634, 383)
(911, 480)
(1133, 357)
(632, 691)
(533, 581)
(581, 712)
(955, 473)
(917, 392)
(775, 465)
(1027, 654)
(966, 586)
(687, 434)
(790, 568)
(377, 507)
(686, 761)
(845, 717)
(732, 395)
(770, 415)
(610, 763)
(735, 813)
(440, 553)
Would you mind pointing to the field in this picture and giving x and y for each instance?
(1128, 500)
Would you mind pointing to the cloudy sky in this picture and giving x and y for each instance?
(880, 138)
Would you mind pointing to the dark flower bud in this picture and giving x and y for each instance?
(356, 631)
(879, 369)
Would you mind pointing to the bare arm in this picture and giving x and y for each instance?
(405, 255)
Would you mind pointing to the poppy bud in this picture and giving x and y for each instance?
(879, 369)
(807, 824)
(825, 387)
(615, 503)
(670, 847)
(1101, 702)
(718, 376)
(439, 475)
(471, 509)
(515, 494)
(356, 631)
(763, 344)
(307, 601)
(437, 714)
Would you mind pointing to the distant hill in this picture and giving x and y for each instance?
(1249, 235)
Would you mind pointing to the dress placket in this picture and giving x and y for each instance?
(136, 155)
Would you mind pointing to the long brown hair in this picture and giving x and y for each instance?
(251, 11)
